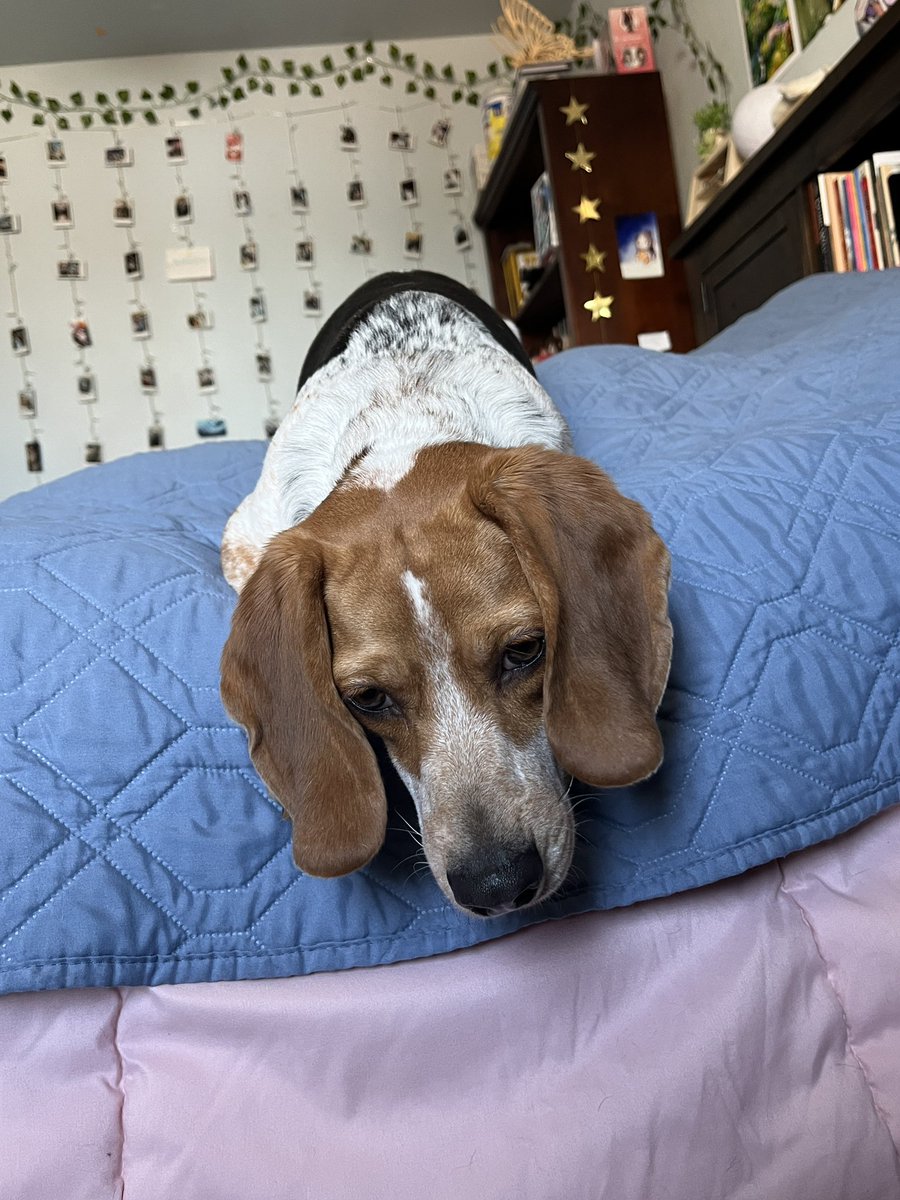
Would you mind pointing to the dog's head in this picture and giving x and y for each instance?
(499, 619)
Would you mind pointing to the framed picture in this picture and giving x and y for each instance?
(356, 193)
(93, 452)
(33, 457)
(769, 36)
(71, 268)
(28, 402)
(175, 149)
(242, 203)
(452, 182)
(184, 209)
(123, 212)
(140, 323)
(206, 379)
(440, 132)
(249, 256)
(61, 212)
(400, 139)
(156, 437)
(258, 307)
(264, 365)
(312, 302)
(56, 153)
(348, 139)
(299, 198)
(81, 334)
(200, 318)
(87, 388)
(412, 245)
(409, 191)
(305, 253)
(462, 239)
(360, 243)
(638, 244)
(9, 223)
(148, 379)
(118, 156)
(234, 146)
(134, 267)
(18, 337)
(270, 426)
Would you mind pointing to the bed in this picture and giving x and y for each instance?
(707, 1010)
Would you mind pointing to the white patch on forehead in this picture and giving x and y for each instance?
(416, 590)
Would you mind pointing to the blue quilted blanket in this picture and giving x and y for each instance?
(138, 846)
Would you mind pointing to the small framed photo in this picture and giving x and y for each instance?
(61, 211)
(28, 402)
(462, 239)
(134, 266)
(10, 223)
(34, 460)
(71, 268)
(234, 146)
(87, 388)
(140, 323)
(264, 365)
(360, 243)
(175, 149)
(412, 245)
(81, 334)
(305, 256)
(258, 311)
(18, 336)
(93, 452)
(249, 256)
(312, 302)
(452, 182)
(243, 206)
(148, 379)
(440, 132)
(299, 198)
(409, 191)
(156, 437)
(639, 247)
(118, 156)
(399, 139)
(123, 212)
(200, 318)
(270, 426)
(206, 379)
(209, 427)
(56, 153)
(356, 193)
(184, 209)
(348, 139)
(4, 169)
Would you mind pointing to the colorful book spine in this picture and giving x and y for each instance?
(870, 208)
(859, 213)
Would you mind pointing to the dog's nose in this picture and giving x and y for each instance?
(495, 881)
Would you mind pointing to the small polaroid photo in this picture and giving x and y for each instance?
(4, 169)
(156, 437)
(243, 206)
(134, 266)
(348, 138)
(33, 457)
(234, 147)
(81, 334)
(56, 153)
(93, 452)
(71, 268)
(118, 156)
(356, 193)
(61, 211)
(148, 379)
(249, 256)
(206, 379)
(270, 426)
(409, 191)
(360, 243)
(452, 182)
(200, 318)
(184, 209)
(87, 388)
(299, 198)
(10, 223)
(209, 427)
(28, 402)
(123, 212)
(312, 302)
(175, 149)
(639, 248)
(440, 132)
(306, 253)
(412, 245)
(400, 139)
(258, 311)
(18, 337)
(264, 365)
(140, 324)
(462, 239)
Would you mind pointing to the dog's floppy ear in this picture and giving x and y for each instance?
(601, 575)
(277, 683)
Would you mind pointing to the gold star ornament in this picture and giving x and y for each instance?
(600, 306)
(574, 111)
(581, 159)
(594, 259)
(587, 210)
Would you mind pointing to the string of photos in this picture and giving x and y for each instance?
(304, 244)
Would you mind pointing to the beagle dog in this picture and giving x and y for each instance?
(425, 560)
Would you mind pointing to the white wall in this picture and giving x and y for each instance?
(122, 414)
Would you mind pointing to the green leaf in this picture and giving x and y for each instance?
(308, 71)
(77, 99)
(265, 66)
(394, 52)
(102, 99)
(409, 60)
(471, 77)
(369, 47)
(350, 51)
(411, 85)
(37, 119)
(124, 95)
(370, 68)
(146, 96)
(237, 93)
(472, 98)
(53, 104)
(430, 93)
(34, 98)
(16, 90)
(192, 87)
(194, 113)
(387, 80)
(447, 71)
(242, 62)
(167, 92)
(252, 84)
(327, 63)
(228, 73)
(358, 74)
(6, 114)
(492, 69)
(268, 88)
(316, 89)
(295, 89)
(288, 66)
(340, 79)
(150, 117)
(457, 95)
(224, 101)
(109, 117)
(428, 70)
(63, 122)
(87, 120)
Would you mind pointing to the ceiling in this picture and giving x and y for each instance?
(66, 30)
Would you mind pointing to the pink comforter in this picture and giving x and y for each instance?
(740, 1041)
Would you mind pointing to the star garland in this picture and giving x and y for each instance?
(599, 305)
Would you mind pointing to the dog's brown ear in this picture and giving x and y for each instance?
(277, 683)
(601, 576)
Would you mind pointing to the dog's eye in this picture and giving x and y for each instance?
(370, 700)
(522, 654)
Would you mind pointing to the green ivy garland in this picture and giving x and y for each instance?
(243, 79)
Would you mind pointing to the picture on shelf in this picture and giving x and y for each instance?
(639, 247)
(632, 42)
(769, 36)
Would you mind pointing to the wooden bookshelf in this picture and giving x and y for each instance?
(632, 173)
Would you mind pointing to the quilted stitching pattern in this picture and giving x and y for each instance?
(140, 847)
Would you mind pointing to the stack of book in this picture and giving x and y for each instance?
(856, 215)
(521, 266)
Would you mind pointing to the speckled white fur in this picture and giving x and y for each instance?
(419, 371)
